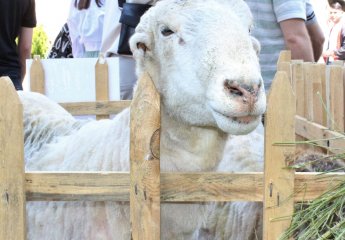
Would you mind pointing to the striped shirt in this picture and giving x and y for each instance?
(267, 14)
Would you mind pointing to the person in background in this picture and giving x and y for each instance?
(335, 49)
(85, 23)
(315, 32)
(116, 11)
(62, 47)
(283, 24)
(17, 20)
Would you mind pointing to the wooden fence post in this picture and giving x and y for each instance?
(284, 63)
(298, 84)
(336, 86)
(279, 181)
(102, 82)
(145, 165)
(308, 88)
(12, 193)
(37, 81)
(317, 94)
(298, 87)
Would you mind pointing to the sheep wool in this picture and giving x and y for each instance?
(204, 64)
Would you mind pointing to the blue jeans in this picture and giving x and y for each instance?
(15, 76)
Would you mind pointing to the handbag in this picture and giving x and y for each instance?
(130, 17)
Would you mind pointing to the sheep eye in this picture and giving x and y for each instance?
(166, 32)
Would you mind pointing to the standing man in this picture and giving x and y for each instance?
(284, 24)
(17, 20)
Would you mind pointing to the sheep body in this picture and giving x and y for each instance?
(201, 104)
(106, 139)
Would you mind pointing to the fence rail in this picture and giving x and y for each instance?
(276, 187)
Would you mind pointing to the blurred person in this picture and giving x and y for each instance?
(62, 46)
(335, 49)
(285, 24)
(317, 39)
(315, 32)
(85, 23)
(17, 20)
(118, 27)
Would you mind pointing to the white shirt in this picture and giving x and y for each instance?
(86, 28)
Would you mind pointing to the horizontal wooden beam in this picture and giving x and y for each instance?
(96, 108)
(175, 187)
(333, 141)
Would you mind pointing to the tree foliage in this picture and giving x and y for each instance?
(39, 42)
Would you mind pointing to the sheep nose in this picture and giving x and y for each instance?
(247, 93)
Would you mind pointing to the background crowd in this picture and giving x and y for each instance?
(104, 26)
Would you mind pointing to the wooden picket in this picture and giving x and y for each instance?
(12, 192)
(319, 91)
(279, 180)
(144, 162)
(336, 86)
(102, 107)
(145, 187)
(102, 82)
(37, 83)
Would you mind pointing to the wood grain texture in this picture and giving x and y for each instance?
(102, 83)
(317, 93)
(285, 67)
(333, 141)
(323, 73)
(298, 83)
(12, 194)
(308, 90)
(336, 85)
(298, 87)
(37, 79)
(175, 187)
(278, 180)
(98, 107)
(77, 186)
(144, 161)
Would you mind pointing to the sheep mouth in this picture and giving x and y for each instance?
(244, 120)
(241, 119)
(237, 125)
(247, 119)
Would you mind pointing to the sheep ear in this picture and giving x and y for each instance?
(140, 44)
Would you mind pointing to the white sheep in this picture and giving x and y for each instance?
(204, 64)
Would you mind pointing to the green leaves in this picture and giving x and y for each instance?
(39, 42)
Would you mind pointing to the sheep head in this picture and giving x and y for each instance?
(203, 62)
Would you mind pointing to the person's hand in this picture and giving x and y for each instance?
(328, 53)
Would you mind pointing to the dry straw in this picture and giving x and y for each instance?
(324, 217)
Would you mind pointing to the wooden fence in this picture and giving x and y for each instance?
(320, 110)
(102, 107)
(278, 187)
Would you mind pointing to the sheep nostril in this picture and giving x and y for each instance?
(235, 91)
(233, 88)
